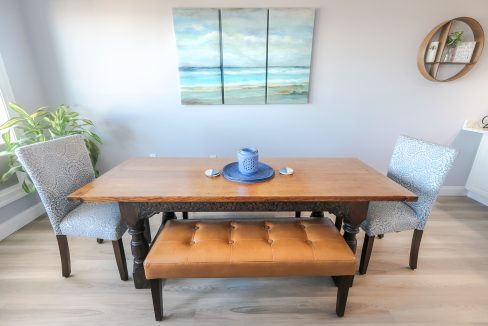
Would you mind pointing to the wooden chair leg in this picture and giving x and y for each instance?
(298, 214)
(338, 222)
(99, 241)
(147, 230)
(366, 253)
(414, 249)
(343, 285)
(120, 259)
(185, 215)
(64, 253)
(157, 297)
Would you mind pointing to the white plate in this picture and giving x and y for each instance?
(212, 173)
(286, 171)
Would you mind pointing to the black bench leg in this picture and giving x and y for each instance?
(157, 297)
(343, 285)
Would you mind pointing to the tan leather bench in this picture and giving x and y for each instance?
(249, 248)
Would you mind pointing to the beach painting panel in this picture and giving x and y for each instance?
(290, 40)
(244, 37)
(197, 33)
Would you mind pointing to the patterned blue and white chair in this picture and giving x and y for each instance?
(420, 167)
(57, 168)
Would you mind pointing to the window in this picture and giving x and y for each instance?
(10, 190)
(5, 94)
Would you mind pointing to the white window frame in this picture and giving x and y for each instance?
(6, 94)
(15, 191)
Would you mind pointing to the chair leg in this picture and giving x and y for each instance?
(147, 230)
(64, 253)
(338, 222)
(99, 241)
(366, 253)
(120, 259)
(185, 215)
(157, 297)
(414, 249)
(343, 285)
(298, 214)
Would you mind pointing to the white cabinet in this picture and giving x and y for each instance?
(477, 184)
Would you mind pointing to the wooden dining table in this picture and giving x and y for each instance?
(146, 186)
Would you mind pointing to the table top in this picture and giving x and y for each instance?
(182, 180)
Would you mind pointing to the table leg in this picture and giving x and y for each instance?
(138, 244)
(357, 213)
(317, 214)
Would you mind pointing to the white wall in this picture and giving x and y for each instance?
(116, 61)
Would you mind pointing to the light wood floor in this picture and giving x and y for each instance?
(450, 286)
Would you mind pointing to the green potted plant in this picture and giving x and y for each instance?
(453, 40)
(42, 125)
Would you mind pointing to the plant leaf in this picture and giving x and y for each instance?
(11, 122)
(10, 173)
(38, 114)
(6, 137)
(28, 186)
(15, 107)
(94, 136)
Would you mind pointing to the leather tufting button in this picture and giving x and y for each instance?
(231, 241)
(267, 227)
(303, 226)
(309, 242)
(270, 241)
(196, 228)
(192, 242)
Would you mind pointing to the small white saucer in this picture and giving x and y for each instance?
(212, 173)
(286, 171)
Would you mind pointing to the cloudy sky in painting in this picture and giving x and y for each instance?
(244, 37)
(290, 36)
(197, 36)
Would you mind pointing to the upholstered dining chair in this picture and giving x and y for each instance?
(57, 168)
(420, 167)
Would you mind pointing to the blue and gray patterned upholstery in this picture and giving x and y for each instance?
(59, 167)
(420, 167)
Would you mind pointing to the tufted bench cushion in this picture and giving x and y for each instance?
(249, 248)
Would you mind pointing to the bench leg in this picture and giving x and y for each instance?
(157, 297)
(343, 285)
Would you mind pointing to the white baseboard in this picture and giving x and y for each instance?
(478, 198)
(452, 191)
(20, 220)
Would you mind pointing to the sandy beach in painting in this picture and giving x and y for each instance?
(244, 85)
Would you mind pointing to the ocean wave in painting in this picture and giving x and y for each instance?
(202, 85)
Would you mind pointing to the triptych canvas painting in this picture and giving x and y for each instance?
(244, 56)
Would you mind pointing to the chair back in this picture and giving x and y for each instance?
(422, 168)
(57, 168)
